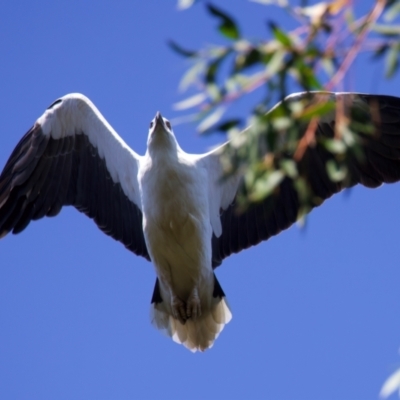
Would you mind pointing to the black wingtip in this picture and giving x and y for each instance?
(217, 292)
(156, 298)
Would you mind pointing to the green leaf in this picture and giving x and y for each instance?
(317, 110)
(265, 185)
(277, 62)
(227, 26)
(227, 125)
(213, 92)
(334, 146)
(213, 67)
(236, 82)
(243, 61)
(281, 123)
(303, 191)
(335, 172)
(392, 12)
(381, 50)
(387, 30)
(349, 16)
(180, 50)
(289, 167)
(280, 35)
(305, 75)
(191, 101)
(328, 66)
(211, 119)
(212, 71)
(392, 60)
(390, 3)
(192, 75)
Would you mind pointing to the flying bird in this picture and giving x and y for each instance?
(173, 208)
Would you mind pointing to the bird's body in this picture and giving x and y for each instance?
(178, 237)
(175, 231)
(171, 207)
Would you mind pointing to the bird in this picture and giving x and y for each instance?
(179, 210)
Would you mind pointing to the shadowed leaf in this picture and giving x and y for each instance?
(227, 26)
(392, 60)
(180, 50)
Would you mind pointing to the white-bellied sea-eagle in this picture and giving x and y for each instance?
(171, 207)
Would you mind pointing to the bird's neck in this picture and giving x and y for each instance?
(162, 146)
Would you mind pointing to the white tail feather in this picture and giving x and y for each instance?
(198, 334)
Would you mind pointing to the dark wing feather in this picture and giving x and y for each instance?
(43, 174)
(380, 164)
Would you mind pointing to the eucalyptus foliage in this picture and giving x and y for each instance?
(315, 56)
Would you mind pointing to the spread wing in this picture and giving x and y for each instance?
(72, 156)
(235, 231)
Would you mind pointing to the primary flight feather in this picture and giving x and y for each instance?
(172, 207)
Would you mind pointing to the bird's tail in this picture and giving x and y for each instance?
(198, 334)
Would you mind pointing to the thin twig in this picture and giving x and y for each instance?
(372, 17)
(307, 140)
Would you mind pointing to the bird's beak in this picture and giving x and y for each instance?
(158, 120)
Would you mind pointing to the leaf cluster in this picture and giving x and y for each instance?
(314, 56)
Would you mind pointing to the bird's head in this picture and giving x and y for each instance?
(160, 132)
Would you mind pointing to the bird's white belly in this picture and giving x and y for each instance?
(178, 232)
(177, 248)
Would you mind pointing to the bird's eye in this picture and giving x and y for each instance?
(151, 124)
(168, 124)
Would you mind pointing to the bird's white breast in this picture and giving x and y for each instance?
(176, 221)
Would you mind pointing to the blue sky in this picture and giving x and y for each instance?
(315, 311)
